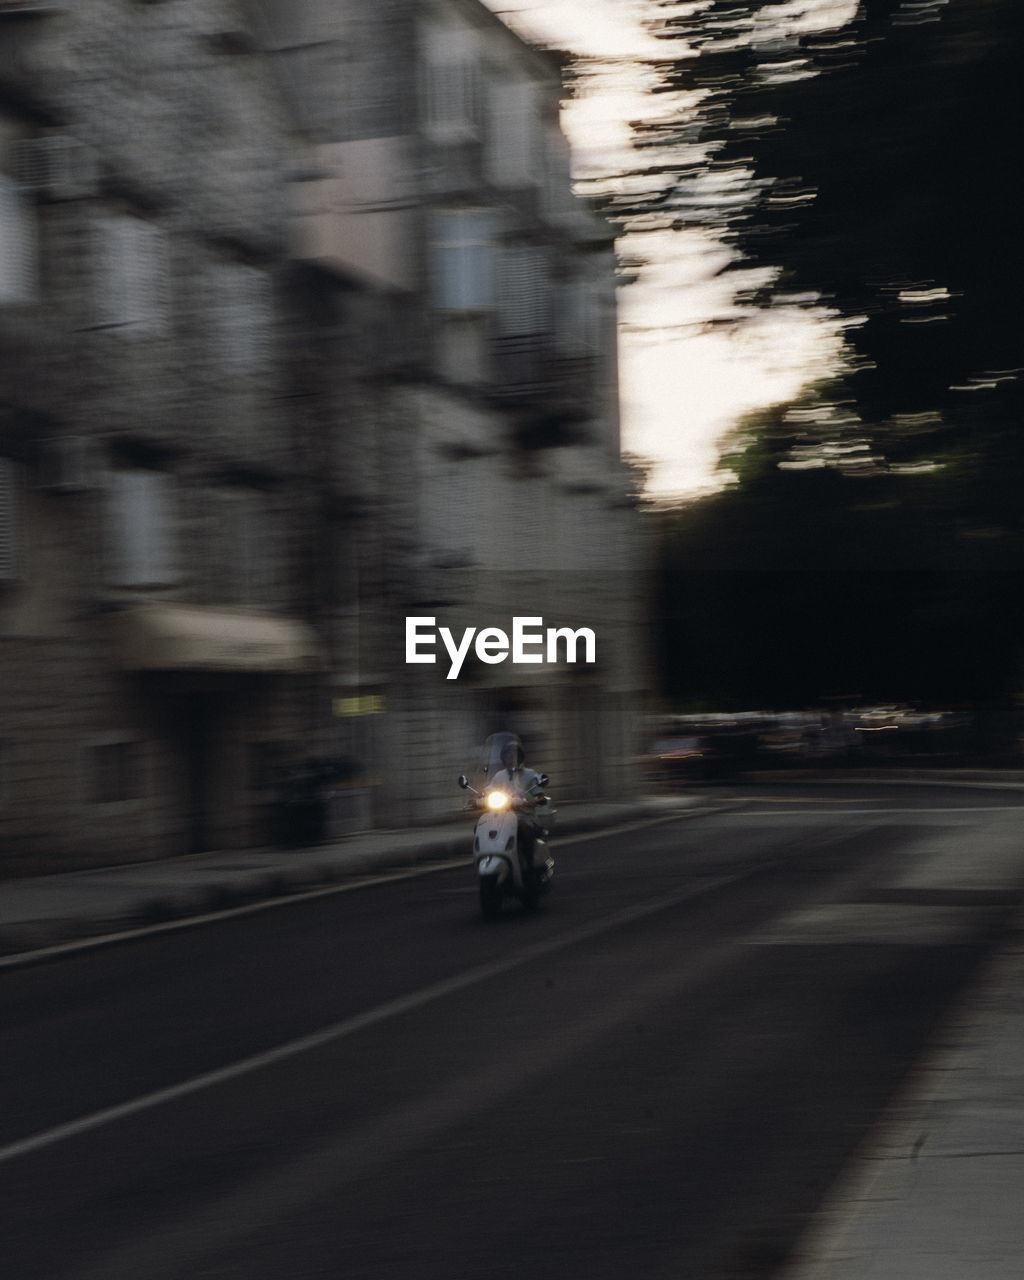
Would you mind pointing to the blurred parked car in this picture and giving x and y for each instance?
(684, 759)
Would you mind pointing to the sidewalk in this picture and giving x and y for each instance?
(41, 912)
(938, 1194)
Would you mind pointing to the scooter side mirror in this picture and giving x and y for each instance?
(543, 779)
(463, 782)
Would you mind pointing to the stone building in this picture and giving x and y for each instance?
(155, 644)
(301, 333)
(475, 297)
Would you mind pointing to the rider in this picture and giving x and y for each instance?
(527, 784)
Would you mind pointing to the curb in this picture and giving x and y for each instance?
(310, 872)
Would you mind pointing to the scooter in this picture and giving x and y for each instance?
(503, 870)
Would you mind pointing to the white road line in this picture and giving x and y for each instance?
(390, 1009)
(350, 1026)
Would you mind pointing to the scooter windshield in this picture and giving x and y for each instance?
(491, 761)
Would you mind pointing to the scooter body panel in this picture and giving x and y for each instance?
(491, 865)
(496, 847)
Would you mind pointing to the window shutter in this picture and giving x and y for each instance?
(133, 276)
(154, 277)
(111, 250)
(8, 520)
(140, 528)
(463, 259)
(452, 97)
(243, 310)
(55, 166)
(523, 292)
(18, 249)
(444, 91)
(133, 269)
(512, 134)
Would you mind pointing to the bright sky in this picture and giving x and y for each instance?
(684, 380)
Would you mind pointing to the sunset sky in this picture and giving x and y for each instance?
(684, 382)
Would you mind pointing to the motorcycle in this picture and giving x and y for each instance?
(509, 846)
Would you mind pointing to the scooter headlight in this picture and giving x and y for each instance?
(497, 800)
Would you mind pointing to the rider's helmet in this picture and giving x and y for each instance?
(512, 756)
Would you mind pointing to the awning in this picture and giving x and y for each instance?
(171, 637)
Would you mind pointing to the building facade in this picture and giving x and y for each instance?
(153, 633)
(301, 333)
(437, 213)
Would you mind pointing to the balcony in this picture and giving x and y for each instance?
(554, 395)
(352, 215)
(452, 167)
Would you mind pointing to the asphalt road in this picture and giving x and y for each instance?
(660, 1072)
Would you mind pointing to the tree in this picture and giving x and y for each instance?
(876, 163)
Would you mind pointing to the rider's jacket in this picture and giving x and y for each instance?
(525, 782)
(520, 781)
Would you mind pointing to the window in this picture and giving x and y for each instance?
(524, 292)
(242, 310)
(451, 91)
(115, 772)
(524, 319)
(133, 276)
(462, 259)
(512, 134)
(18, 249)
(139, 508)
(8, 520)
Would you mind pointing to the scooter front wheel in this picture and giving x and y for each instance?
(491, 894)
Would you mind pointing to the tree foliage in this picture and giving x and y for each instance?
(872, 539)
(877, 160)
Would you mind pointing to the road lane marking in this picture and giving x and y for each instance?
(190, 1240)
(393, 1008)
(359, 1022)
(390, 1009)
